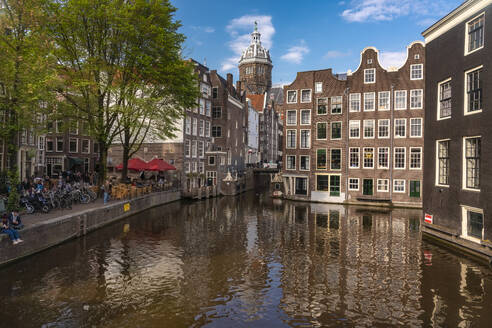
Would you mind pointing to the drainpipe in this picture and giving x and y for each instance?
(347, 133)
(392, 136)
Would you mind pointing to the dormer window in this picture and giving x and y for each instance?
(370, 75)
(318, 87)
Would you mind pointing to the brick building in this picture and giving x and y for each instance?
(356, 138)
(457, 177)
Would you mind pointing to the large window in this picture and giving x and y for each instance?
(354, 100)
(475, 35)
(353, 184)
(216, 112)
(301, 186)
(305, 116)
(201, 127)
(444, 105)
(369, 101)
(400, 99)
(86, 146)
(188, 125)
(73, 145)
(291, 139)
(216, 131)
(291, 162)
(473, 223)
(368, 129)
(292, 96)
(416, 99)
(400, 128)
(321, 159)
(321, 130)
(59, 144)
(473, 91)
(334, 185)
(383, 128)
(400, 153)
(305, 139)
(322, 182)
(354, 127)
(368, 158)
(194, 148)
(443, 162)
(370, 75)
(194, 126)
(336, 130)
(383, 185)
(399, 185)
(291, 117)
(415, 158)
(416, 72)
(336, 159)
(305, 96)
(322, 106)
(383, 158)
(336, 105)
(416, 127)
(472, 162)
(354, 158)
(384, 100)
(304, 163)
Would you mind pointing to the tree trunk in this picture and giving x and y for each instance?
(103, 156)
(126, 154)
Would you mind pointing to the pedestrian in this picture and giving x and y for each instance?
(6, 229)
(107, 188)
(15, 220)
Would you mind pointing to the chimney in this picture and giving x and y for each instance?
(238, 88)
(229, 82)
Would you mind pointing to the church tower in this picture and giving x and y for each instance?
(255, 66)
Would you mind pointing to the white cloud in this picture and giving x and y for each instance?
(335, 54)
(386, 10)
(209, 29)
(206, 29)
(296, 54)
(240, 30)
(390, 59)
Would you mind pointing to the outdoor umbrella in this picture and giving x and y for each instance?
(135, 164)
(159, 165)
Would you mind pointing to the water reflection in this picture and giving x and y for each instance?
(250, 261)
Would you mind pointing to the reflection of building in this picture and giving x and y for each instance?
(357, 138)
(457, 177)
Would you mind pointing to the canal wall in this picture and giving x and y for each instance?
(54, 231)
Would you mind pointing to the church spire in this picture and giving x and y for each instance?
(255, 36)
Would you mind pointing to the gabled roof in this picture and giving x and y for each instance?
(257, 101)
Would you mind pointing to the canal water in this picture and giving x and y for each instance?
(250, 261)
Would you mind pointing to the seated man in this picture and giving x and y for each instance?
(6, 229)
(15, 220)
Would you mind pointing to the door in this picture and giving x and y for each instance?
(415, 189)
(368, 186)
(334, 185)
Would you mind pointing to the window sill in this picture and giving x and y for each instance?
(473, 112)
(473, 51)
(470, 189)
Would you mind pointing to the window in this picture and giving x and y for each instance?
(336, 159)
(443, 162)
(354, 127)
(305, 96)
(336, 130)
(369, 61)
(368, 158)
(208, 106)
(416, 57)
(194, 126)
(301, 186)
(444, 101)
(416, 72)
(211, 160)
(85, 146)
(249, 70)
(291, 139)
(370, 75)
(321, 159)
(475, 33)
(291, 162)
(305, 117)
(50, 145)
(207, 129)
(201, 128)
(193, 148)
(322, 182)
(41, 142)
(368, 129)
(353, 184)
(336, 105)
(322, 105)
(472, 223)
(305, 139)
(201, 149)
(216, 131)
(400, 99)
(383, 185)
(334, 185)
(354, 99)
(187, 167)
(399, 185)
(321, 130)
(400, 127)
(188, 125)
(472, 162)
(202, 106)
(369, 101)
(304, 163)
(291, 117)
(473, 91)
(292, 96)
(216, 112)
(415, 158)
(354, 158)
(59, 144)
(416, 127)
(73, 145)
(383, 128)
(416, 99)
(384, 100)
(383, 158)
(400, 153)
(74, 127)
(318, 87)
(215, 93)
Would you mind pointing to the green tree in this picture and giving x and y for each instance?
(121, 68)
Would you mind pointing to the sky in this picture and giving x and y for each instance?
(305, 35)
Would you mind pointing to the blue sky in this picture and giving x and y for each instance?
(305, 35)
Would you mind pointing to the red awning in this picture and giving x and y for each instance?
(135, 164)
(159, 165)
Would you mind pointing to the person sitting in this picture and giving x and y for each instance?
(15, 220)
(6, 229)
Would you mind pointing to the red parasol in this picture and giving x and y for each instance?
(159, 165)
(135, 164)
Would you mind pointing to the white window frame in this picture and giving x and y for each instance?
(467, 52)
(387, 185)
(404, 160)
(364, 157)
(463, 166)
(287, 162)
(410, 158)
(437, 163)
(326, 130)
(318, 87)
(394, 124)
(331, 130)
(464, 223)
(366, 122)
(396, 98)
(300, 139)
(309, 162)
(350, 128)
(310, 96)
(389, 128)
(404, 186)
(300, 117)
(291, 91)
(421, 127)
(287, 117)
(388, 161)
(341, 159)
(354, 95)
(388, 102)
(439, 118)
(465, 97)
(350, 188)
(366, 71)
(287, 139)
(373, 101)
(421, 98)
(187, 143)
(317, 105)
(76, 145)
(414, 66)
(88, 146)
(358, 156)
(331, 105)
